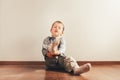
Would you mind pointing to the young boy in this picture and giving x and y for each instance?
(53, 50)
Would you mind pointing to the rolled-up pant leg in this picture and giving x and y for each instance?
(70, 63)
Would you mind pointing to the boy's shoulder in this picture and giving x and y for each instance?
(47, 38)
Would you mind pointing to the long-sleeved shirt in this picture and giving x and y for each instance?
(47, 43)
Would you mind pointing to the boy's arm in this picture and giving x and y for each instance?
(47, 53)
(45, 48)
(61, 49)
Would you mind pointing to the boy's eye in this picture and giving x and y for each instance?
(59, 27)
(54, 26)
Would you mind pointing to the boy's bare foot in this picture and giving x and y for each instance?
(82, 69)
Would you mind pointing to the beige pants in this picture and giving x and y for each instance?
(68, 63)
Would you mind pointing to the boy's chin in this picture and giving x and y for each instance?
(56, 35)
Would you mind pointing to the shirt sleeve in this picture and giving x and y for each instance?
(45, 46)
(62, 47)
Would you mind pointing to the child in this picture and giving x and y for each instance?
(53, 50)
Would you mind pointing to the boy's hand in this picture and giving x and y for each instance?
(50, 55)
(50, 47)
(56, 43)
(56, 52)
(53, 48)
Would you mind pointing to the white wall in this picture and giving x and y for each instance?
(92, 28)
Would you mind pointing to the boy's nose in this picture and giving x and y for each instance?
(56, 30)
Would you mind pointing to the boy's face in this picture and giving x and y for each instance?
(57, 29)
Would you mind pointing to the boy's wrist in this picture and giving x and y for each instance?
(56, 53)
(49, 54)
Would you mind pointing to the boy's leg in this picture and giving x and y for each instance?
(50, 62)
(70, 64)
(82, 69)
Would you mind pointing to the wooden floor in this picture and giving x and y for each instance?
(38, 72)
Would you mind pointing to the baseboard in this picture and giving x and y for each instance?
(100, 62)
(22, 62)
(42, 62)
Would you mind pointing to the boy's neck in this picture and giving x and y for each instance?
(56, 36)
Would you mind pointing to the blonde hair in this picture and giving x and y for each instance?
(60, 23)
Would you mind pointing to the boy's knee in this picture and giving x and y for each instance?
(71, 59)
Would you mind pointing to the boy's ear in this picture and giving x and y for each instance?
(62, 32)
(50, 30)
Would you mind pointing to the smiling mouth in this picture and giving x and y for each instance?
(56, 31)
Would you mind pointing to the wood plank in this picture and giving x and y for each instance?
(39, 72)
(42, 62)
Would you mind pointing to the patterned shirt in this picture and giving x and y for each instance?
(46, 43)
